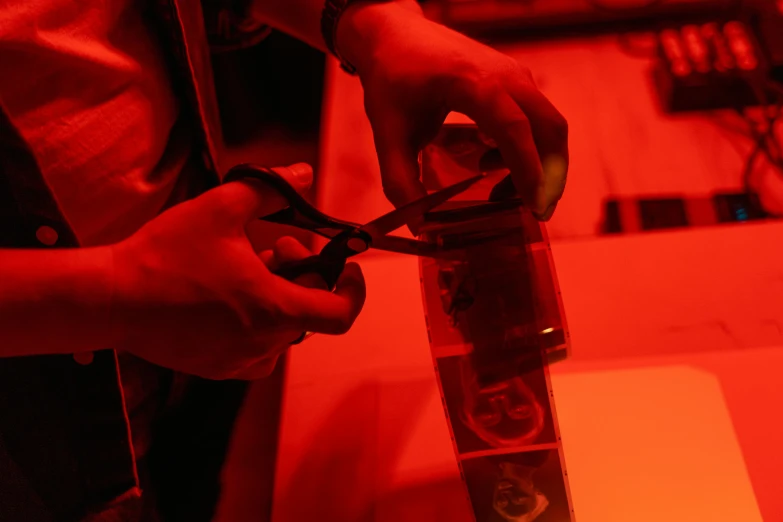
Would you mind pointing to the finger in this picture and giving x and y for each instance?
(260, 369)
(243, 201)
(298, 175)
(268, 258)
(550, 128)
(398, 157)
(497, 114)
(288, 249)
(321, 311)
(238, 203)
(550, 133)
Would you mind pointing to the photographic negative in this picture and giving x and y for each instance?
(518, 487)
(514, 412)
(495, 320)
(442, 302)
(498, 302)
(494, 295)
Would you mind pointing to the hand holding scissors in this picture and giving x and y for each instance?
(346, 239)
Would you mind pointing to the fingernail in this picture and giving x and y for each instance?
(555, 173)
(302, 172)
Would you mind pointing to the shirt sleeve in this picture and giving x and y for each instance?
(230, 27)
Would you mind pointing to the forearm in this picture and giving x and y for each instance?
(302, 20)
(55, 301)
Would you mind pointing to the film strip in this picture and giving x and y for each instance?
(495, 322)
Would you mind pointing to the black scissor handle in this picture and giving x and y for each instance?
(299, 213)
(329, 270)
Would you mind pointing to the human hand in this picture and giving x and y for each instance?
(191, 294)
(415, 72)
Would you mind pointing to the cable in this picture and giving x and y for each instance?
(750, 163)
(764, 136)
(771, 112)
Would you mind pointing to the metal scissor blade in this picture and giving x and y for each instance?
(406, 214)
(403, 245)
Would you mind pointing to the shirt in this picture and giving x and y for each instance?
(65, 449)
(88, 87)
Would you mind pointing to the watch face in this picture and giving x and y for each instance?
(332, 11)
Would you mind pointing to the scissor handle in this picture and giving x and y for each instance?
(329, 270)
(299, 213)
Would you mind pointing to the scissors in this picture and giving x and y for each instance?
(346, 239)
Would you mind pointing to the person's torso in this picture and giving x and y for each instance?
(87, 85)
(110, 138)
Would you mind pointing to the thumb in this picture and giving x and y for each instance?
(321, 311)
(398, 158)
(246, 200)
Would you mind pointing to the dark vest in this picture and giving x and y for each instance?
(65, 449)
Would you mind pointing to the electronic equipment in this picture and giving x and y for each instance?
(730, 64)
(711, 66)
(628, 216)
(535, 19)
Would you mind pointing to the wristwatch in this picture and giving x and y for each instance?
(330, 16)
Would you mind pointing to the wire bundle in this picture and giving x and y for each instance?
(762, 129)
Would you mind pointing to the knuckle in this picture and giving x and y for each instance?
(282, 241)
(394, 191)
(519, 123)
(272, 313)
(522, 71)
(289, 241)
(470, 81)
(283, 314)
(342, 325)
(487, 89)
(560, 126)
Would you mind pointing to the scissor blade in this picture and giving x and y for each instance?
(403, 245)
(407, 214)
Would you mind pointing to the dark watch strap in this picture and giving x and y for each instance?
(330, 15)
